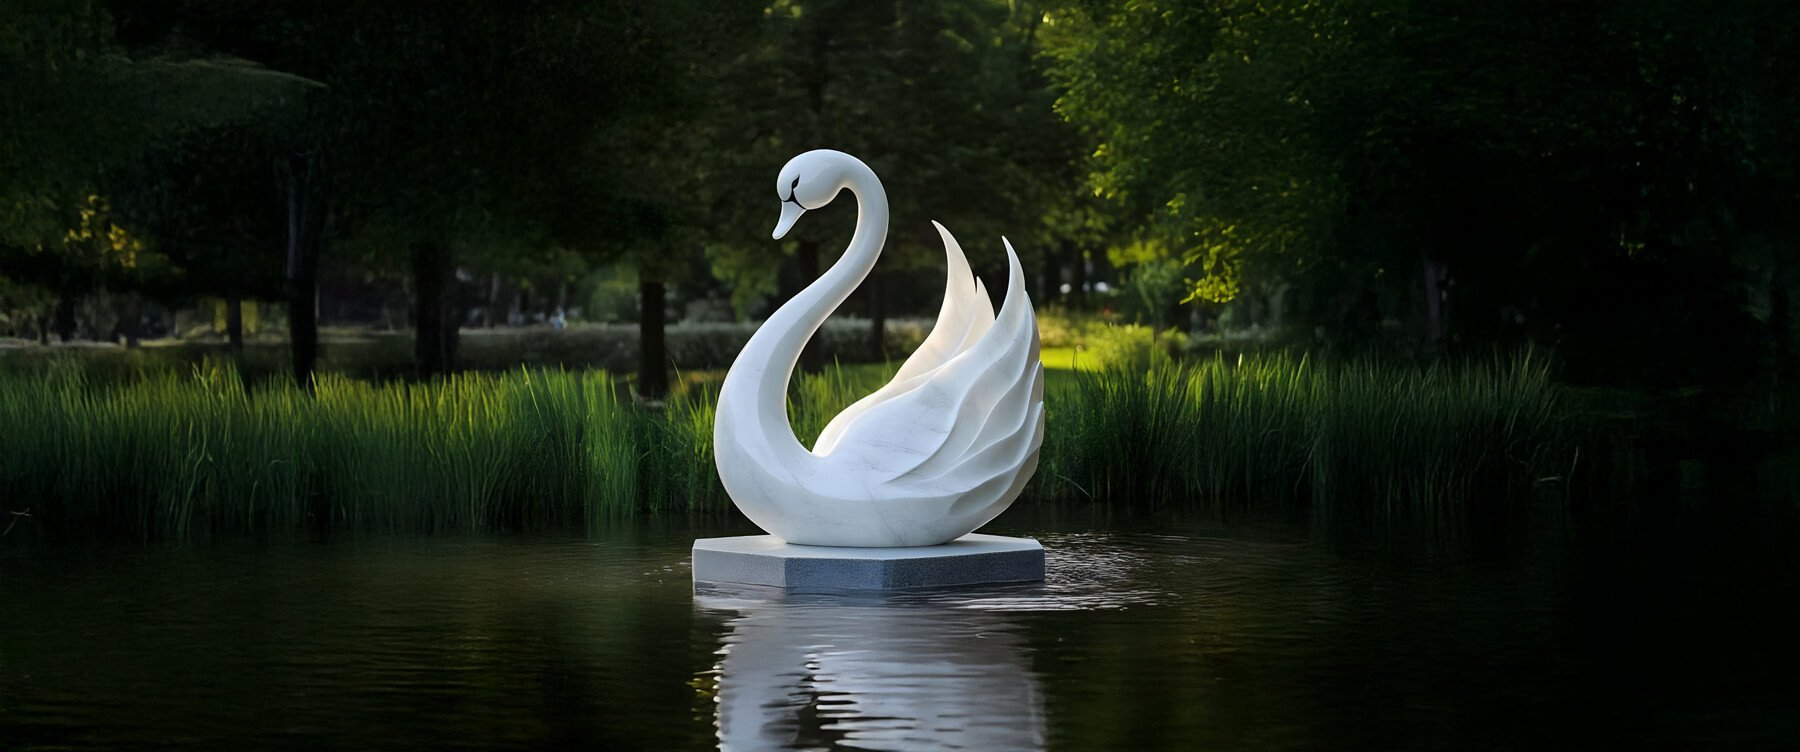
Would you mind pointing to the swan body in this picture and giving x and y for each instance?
(935, 453)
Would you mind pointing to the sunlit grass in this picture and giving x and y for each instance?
(1068, 359)
(173, 455)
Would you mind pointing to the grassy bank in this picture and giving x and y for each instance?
(176, 455)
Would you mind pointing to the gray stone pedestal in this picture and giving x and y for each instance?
(765, 560)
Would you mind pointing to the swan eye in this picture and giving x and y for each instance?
(793, 197)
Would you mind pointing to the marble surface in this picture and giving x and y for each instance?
(768, 561)
(936, 453)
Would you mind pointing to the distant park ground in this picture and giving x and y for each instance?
(1078, 342)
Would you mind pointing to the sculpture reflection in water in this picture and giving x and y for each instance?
(897, 672)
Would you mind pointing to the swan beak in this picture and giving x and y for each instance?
(790, 213)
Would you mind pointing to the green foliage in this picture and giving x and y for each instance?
(79, 108)
(1102, 345)
(474, 127)
(167, 455)
(611, 293)
(1130, 347)
(1543, 156)
(1153, 289)
(1058, 328)
(80, 210)
(945, 99)
(1200, 113)
(1616, 178)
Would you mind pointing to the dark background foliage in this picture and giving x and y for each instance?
(1612, 179)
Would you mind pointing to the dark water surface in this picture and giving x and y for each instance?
(1165, 636)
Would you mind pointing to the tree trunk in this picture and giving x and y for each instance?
(234, 322)
(303, 328)
(434, 312)
(491, 312)
(653, 355)
(65, 316)
(131, 319)
(1078, 278)
(1780, 326)
(1434, 304)
(877, 319)
(1278, 307)
(305, 225)
(812, 357)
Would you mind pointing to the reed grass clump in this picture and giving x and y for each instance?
(1362, 441)
(175, 455)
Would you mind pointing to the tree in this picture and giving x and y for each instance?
(449, 128)
(215, 208)
(1199, 114)
(84, 114)
(943, 99)
(1483, 171)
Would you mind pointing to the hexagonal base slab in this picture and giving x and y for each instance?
(765, 560)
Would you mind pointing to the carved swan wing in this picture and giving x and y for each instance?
(965, 315)
(964, 415)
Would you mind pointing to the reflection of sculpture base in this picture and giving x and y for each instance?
(768, 561)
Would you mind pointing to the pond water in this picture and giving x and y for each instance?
(1160, 634)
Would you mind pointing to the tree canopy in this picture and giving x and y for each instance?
(1614, 177)
(1543, 160)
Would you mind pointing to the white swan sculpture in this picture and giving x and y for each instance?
(936, 453)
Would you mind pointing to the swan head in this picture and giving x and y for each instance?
(810, 181)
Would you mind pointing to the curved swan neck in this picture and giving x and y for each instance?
(770, 356)
(816, 303)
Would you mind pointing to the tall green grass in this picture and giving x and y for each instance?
(172, 455)
(1364, 442)
(175, 455)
